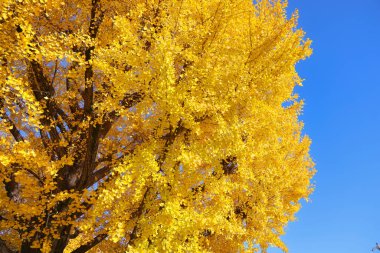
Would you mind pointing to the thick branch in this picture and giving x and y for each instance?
(76, 111)
(97, 175)
(14, 131)
(136, 215)
(40, 85)
(12, 188)
(75, 234)
(98, 132)
(93, 130)
(44, 91)
(104, 171)
(93, 30)
(86, 247)
(90, 156)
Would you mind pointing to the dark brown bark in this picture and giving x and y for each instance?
(97, 175)
(93, 132)
(169, 140)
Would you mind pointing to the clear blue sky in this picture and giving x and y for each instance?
(342, 116)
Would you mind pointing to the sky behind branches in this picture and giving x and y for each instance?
(342, 116)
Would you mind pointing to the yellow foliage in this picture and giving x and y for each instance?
(150, 126)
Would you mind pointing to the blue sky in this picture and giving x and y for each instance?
(342, 116)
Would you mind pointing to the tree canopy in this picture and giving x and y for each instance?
(149, 125)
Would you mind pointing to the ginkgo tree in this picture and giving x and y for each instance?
(150, 125)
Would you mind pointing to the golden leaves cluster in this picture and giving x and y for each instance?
(202, 156)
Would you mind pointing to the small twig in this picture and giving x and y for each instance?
(55, 72)
(35, 175)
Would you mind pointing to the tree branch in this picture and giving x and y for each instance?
(93, 133)
(102, 172)
(75, 234)
(91, 244)
(36, 176)
(14, 131)
(170, 138)
(43, 90)
(97, 175)
(55, 72)
(137, 214)
(40, 85)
